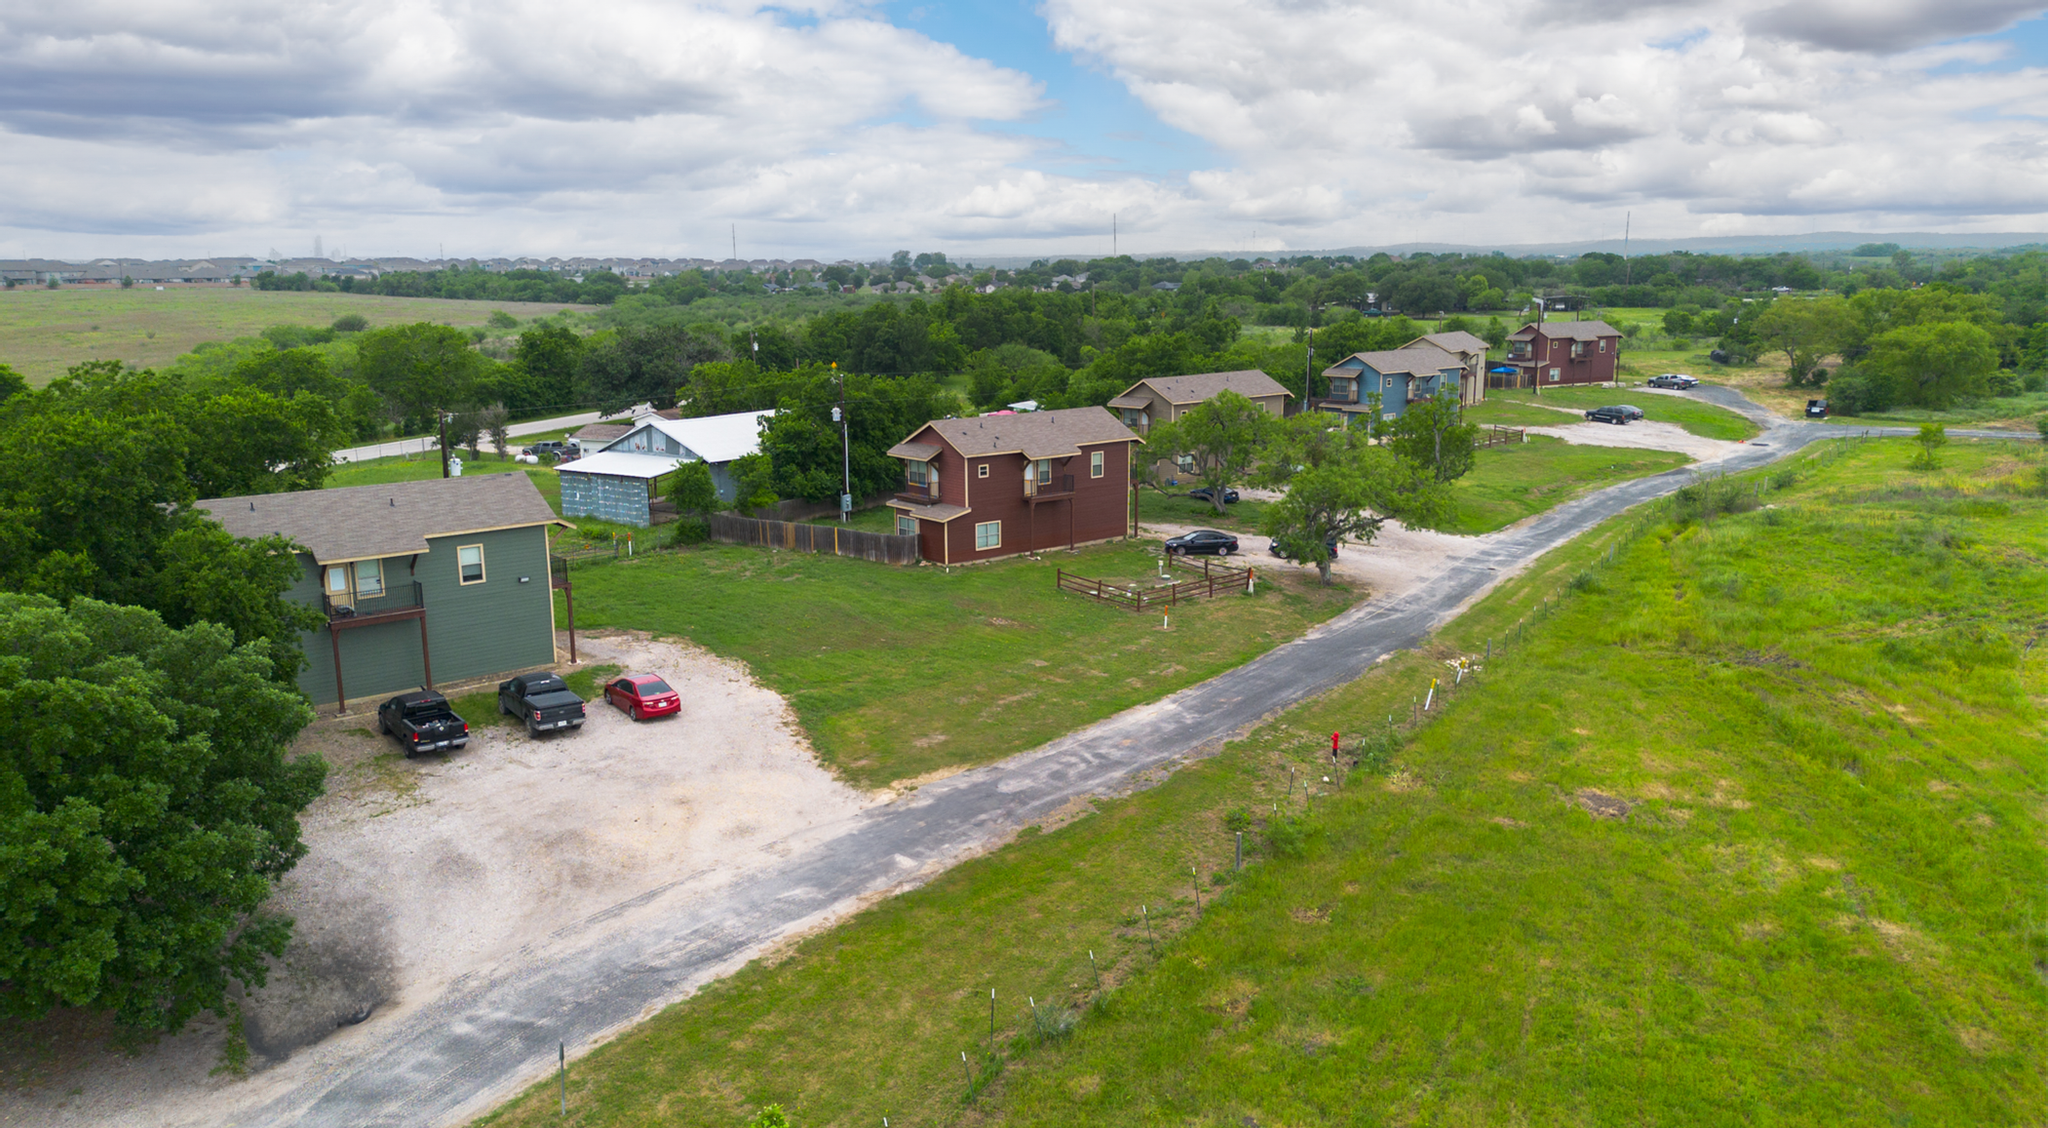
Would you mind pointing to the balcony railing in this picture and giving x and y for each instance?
(399, 601)
(918, 494)
(1059, 486)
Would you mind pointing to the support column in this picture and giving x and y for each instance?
(340, 698)
(426, 662)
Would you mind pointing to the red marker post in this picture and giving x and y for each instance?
(1333, 747)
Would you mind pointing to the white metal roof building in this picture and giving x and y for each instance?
(621, 482)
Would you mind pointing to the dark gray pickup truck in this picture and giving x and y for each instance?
(543, 701)
(422, 722)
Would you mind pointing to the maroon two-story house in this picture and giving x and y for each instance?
(999, 485)
(1547, 353)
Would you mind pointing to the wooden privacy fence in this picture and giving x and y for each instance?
(1216, 579)
(882, 548)
(1500, 436)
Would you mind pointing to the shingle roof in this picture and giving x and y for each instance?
(364, 522)
(1458, 342)
(1568, 330)
(916, 452)
(1034, 434)
(1416, 360)
(1250, 383)
(602, 432)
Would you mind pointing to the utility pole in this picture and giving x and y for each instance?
(735, 242)
(845, 449)
(1627, 268)
(443, 417)
(1112, 234)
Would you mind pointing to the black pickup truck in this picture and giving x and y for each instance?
(422, 722)
(543, 700)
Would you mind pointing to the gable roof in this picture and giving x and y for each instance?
(1415, 360)
(1458, 342)
(1249, 383)
(594, 433)
(364, 522)
(713, 438)
(1567, 330)
(1033, 434)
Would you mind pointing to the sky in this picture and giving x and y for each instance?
(836, 128)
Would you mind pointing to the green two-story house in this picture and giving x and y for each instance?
(441, 579)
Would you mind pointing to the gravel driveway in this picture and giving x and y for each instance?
(424, 872)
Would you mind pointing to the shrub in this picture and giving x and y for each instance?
(690, 530)
(350, 323)
(499, 319)
(1376, 751)
(2034, 382)
(1286, 836)
(1237, 819)
(2002, 384)
(1858, 394)
(1708, 498)
(1932, 437)
(1052, 1022)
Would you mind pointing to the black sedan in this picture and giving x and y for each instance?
(1201, 540)
(1284, 553)
(1208, 494)
(1616, 413)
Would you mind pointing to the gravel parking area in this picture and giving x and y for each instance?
(426, 871)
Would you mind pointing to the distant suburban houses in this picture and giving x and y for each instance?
(443, 579)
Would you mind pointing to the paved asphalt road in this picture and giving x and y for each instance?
(494, 1032)
(423, 445)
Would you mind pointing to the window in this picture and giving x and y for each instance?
(1389, 382)
(469, 560)
(1186, 462)
(981, 471)
(1043, 467)
(337, 580)
(369, 578)
(916, 473)
(1340, 389)
(1553, 374)
(1389, 416)
(987, 535)
(906, 525)
(1095, 464)
(1603, 344)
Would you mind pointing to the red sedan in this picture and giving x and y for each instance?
(643, 696)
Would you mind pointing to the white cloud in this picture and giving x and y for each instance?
(392, 126)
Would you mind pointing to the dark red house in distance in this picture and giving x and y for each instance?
(1000, 485)
(1556, 353)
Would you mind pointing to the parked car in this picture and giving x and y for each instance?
(543, 701)
(422, 722)
(1817, 409)
(1677, 380)
(1616, 415)
(1281, 551)
(642, 696)
(551, 450)
(1201, 540)
(1206, 494)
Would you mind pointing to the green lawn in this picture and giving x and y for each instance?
(1703, 419)
(1243, 517)
(897, 672)
(43, 332)
(1814, 897)
(1498, 412)
(413, 468)
(2017, 412)
(1508, 483)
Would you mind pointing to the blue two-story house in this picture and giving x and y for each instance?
(1398, 376)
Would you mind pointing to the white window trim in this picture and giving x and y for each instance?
(483, 570)
(1095, 463)
(901, 518)
(979, 526)
(356, 580)
(981, 471)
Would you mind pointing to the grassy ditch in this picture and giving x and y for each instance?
(1708, 839)
(1508, 483)
(1703, 419)
(899, 672)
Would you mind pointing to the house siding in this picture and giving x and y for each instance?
(605, 496)
(473, 631)
(1098, 509)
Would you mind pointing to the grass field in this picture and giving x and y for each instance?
(1711, 842)
(1703, 419)
(1508, 483)
(898, 672)
(43, 332)
(379, 471)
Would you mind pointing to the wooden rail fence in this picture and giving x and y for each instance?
(831, 540)
(1500, 436)
(1217, 579)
